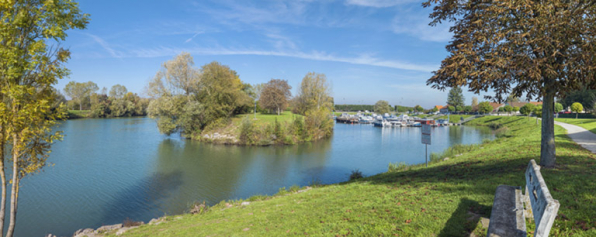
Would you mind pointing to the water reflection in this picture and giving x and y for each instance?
(108, 170)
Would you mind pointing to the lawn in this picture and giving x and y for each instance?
(455, 118)
(589, 124)
(286, 116)
(445, 199)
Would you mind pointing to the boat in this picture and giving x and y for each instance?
(381, 123)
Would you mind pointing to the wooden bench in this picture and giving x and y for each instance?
(507, 216)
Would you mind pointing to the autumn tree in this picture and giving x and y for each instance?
(455, 97)
(474, 103)
(78, 91)
(382, 106)
(314, 93)
(31, 63)
(276, 95)
(540, 49)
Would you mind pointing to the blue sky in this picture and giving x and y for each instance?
(369, 50)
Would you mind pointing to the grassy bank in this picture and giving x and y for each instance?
(455, 118)
(589, 124)
(76, 114)
(445, 199)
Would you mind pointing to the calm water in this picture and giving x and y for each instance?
(107, 170)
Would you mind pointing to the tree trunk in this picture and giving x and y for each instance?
(3, 177)
(255, 110)
(547, 145)
(576, 113)
(14, 195)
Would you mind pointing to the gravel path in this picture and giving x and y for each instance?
(580, 136)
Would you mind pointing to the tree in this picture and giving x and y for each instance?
(583, 96)
(474, 103)
(256, 94)
(276, 95)
(516, 48)
(558, 107)
(418, 108)
(435, 109)
(459, 108)
(508, 109)
(468, 109)
(455, 97)
(30, 65)
(78, 91)
(512, 99)
(515, 109)
(577, 107)
(527, 109)
(538, 112)
(314, 93)
(383, 106)
(485, 107)
(220, 92)
(118, 91)
(451, 108)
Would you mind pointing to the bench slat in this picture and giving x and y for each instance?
(507, 215)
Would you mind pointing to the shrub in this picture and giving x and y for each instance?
(198, 208)
(246, 131)
(401, 166)
(502, 132)
(356, 174)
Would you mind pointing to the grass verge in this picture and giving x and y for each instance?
(446, 199)
(76, 114)
(589, 124)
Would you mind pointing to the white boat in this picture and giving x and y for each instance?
(396, 124)
(381, 123)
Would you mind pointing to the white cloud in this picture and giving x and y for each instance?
(314, 55)
(105, 46)
(378, 3)
(191, 38)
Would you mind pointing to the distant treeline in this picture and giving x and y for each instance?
(354, 108)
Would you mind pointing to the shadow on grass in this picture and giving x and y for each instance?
(468, 210)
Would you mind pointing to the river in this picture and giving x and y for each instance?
(108, 170)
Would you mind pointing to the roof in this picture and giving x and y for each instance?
(439, 106)
(521, 104)
(496, 105)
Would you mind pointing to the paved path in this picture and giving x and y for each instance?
(580, 136)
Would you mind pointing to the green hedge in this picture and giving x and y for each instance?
(572, 115)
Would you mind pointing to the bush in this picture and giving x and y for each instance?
(356, 174)
(502, 132)
(246, 131)
(401, 166)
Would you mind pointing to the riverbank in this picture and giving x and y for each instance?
(447, 198)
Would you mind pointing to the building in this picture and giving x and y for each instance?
(444, 109)
(496, 106)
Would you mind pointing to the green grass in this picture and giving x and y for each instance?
(261, 119)
(75, 114)
(445, 199)
(455, 118)
(339, 113)
(589, 124)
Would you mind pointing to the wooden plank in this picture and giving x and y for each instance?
(544, 207)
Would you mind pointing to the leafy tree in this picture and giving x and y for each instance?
(583, 96)
(382, 106)
(508, 109)
(558, 107)
(418, 108)
(459, 108)
(468, 109)
(485, 107)
(314, 93)
(435, 109)
(538, 111)
(527, 109)
(451, 108)
(577, 107)
(29, 66)
(256, 95)
(118, 91)
(455, 97)
(512, 99)
(78, 91)
(515, 47)
(276, 95)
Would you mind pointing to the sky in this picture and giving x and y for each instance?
(369, 50)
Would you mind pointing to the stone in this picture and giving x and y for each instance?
(109, 228)
(485, 222)
(245, 204)
(85, 232)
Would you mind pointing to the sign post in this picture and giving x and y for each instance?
(426, 139)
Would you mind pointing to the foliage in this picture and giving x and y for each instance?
(474, 103)
(527, 109)
(31, 63)
(451, 108)
(275, 95)
(583, 96)
(558, 107)
(314, 93)
(456, 97)
(538, 111)
(508, 108)
(118, 91)
(515, 108)
(468, 109)
(382, 106)
(247, 131)
(459, 108)
(355, 107)
(78, 91)
(318, 123)
(577, 107)
(356, 174)
(418, 108)
(435, 109)
(396, 167)
(485, 107)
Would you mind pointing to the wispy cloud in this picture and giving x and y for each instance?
(314, 55)
(195, 35)
(378, 3)
(105, 46)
